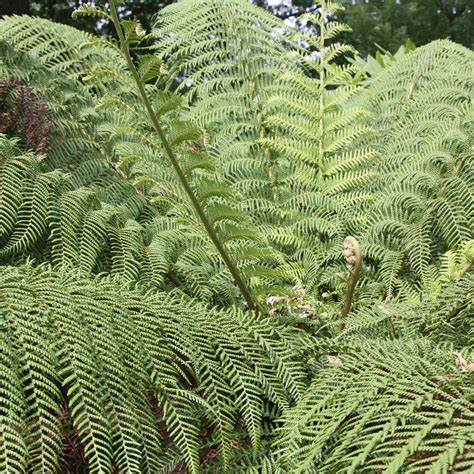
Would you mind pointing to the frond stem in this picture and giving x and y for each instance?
(322, 81)
(467, 268)
(173, 278)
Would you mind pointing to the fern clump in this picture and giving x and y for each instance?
(242, 250)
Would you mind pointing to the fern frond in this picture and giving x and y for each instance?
(112, 349)
(398, 406)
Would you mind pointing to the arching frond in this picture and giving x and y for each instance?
(131, 369)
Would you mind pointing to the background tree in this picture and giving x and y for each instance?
(388, 23)
(60, 11)
(19, 7)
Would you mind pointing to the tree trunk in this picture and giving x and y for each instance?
(14, 7)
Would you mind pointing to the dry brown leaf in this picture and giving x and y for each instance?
(334, 360)
(461, 362)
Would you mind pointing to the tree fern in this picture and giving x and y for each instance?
(228, 68)
(122, 134)
(319, 134)
(110, 346)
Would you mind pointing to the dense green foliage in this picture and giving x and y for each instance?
(126, 343)
(110, 358)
